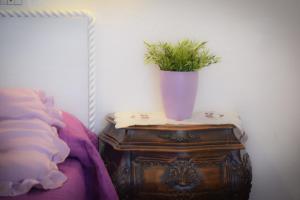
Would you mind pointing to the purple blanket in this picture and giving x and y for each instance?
(84, 164)
(83, 145)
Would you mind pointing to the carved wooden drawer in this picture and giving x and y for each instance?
(176, 162)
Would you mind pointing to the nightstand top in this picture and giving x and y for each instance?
(171, 138)
(172, 127)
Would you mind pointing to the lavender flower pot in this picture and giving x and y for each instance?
(178, 90)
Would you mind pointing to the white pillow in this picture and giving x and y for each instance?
(26, 103)
(29, 152)
(29, 145)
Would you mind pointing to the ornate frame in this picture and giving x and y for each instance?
(91, 48)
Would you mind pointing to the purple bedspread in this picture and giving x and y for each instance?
(83, 145)
(88, 178)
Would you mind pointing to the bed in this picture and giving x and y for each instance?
(87, 176)
(33, 43)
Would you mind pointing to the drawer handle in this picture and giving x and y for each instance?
(182, 175)
(180, 137)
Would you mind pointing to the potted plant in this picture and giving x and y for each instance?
(179, 64)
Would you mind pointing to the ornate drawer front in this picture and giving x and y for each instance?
(162, 176)
(177, 137)
(157, 174)
(156, 140)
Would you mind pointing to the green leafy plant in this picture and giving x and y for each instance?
(184, 56)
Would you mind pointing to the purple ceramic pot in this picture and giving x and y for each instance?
(178, 90)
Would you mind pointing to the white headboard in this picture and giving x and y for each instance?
(53, 51)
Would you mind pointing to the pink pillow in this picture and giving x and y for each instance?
(29, 152)
(29, 145)
(26, 103)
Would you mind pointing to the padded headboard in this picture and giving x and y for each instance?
(53, 51)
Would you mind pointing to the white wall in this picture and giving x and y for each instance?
(259, 74)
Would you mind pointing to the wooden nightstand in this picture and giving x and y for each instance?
(176, 162)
